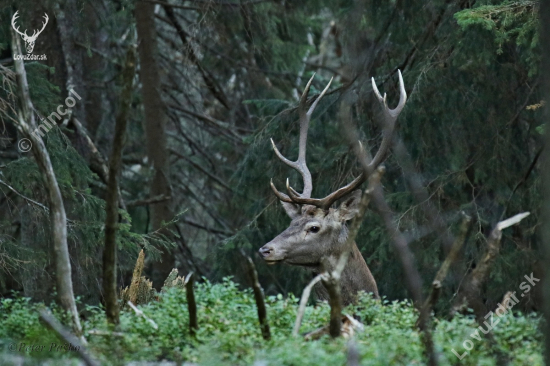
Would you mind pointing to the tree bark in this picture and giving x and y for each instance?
(545, 70)
(154, 128)
(27, 124)
(112, 197)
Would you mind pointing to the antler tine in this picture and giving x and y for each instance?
(300, 164)
(37, 32)
(46, 18)
(314, 104)
(390, 117)
(303, 97)
(291, 164)
(16, 28)
(402, 96)
(280, 196)
(305, 117)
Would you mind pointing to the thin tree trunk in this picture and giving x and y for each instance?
(545, 70)
(27, 124)
(154, 128)
(112, 197)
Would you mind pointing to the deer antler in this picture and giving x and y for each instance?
(389, 119)
(36, 33)
(15, 16)
(300, 164)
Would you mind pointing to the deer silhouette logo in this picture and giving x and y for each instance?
(29, 40)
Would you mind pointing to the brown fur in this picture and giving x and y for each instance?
(315, 234)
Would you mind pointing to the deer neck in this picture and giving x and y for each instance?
(355, 277)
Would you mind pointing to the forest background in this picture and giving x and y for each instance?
(221, 80)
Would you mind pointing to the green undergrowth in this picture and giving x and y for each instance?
(229, 333)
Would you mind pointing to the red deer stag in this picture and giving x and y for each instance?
(318, 231)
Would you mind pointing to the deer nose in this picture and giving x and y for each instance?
(265, 251)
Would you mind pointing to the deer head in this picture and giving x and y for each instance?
(29, 40)
(313, 233)
(318, 231)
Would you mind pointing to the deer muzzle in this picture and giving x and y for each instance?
(270, 254)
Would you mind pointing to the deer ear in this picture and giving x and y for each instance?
(350, 206)
(292, 210)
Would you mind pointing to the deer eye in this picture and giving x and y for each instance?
(314, 229)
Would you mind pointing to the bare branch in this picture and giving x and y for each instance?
(468, 295)
(430, 302)
(66, 336)
(24, 197)
(259, 297)
(142, 314)
(148, 201)
(165, 4)
(303, 303)
(332, 280)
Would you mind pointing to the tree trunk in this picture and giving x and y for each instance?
(112, 198)
(154, 128)
(27, 124)
(545, 70)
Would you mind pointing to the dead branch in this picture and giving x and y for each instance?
(142, 314)
(206, 228)
(209, 80)
(105, 333)
(420, 194)
(353, 357)
(97, 164)
(470, 292)
(191, 304)
(332, 284)
(200, 168)
(444, 269)
(232, 4)
(149, 201)
(100, 168)
(68, 337)
(303, 302)
(332, 281)
(259, 297)
(165, 4)
(24, 197)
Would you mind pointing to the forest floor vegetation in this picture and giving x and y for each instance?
(229, 333)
